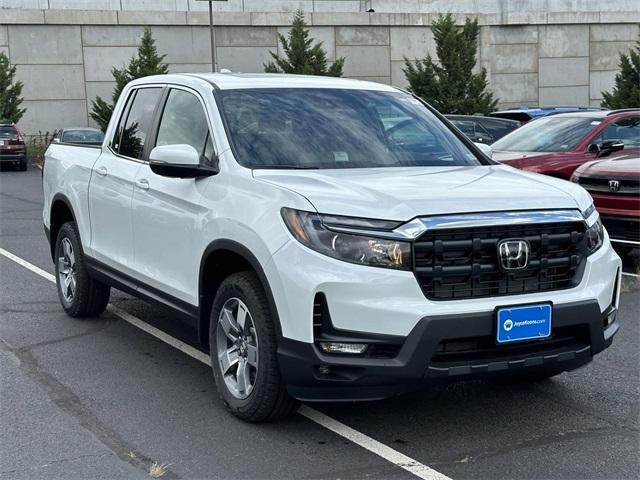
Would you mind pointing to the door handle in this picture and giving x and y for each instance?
(102, 171)
(142, 184)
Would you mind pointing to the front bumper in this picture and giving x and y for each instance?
(13, 157)
(434, 352)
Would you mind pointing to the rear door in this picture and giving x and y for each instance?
(167, 212)
(112, 180)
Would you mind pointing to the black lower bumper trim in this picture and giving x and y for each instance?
(312, 375)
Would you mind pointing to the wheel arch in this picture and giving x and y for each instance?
(220, 259)
(60, 213)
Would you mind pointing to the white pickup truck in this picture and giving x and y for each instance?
(329, 239)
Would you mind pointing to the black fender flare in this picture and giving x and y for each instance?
(244, 252)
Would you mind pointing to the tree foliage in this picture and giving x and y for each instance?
(449, 83)
(10, 92)
(147, 62)
(626, 92)
(301, 55)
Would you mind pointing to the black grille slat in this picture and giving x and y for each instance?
(463, 263)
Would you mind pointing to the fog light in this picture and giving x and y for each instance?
(611, 317)
(348, 348)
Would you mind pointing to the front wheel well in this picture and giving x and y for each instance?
(60, 214)
(218, 265)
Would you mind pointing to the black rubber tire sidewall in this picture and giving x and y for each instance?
(91, 297)
(266, 400)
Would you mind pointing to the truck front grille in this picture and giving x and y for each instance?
(459, 263)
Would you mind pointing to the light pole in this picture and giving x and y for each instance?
(212, 33)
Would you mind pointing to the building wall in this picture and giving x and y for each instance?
(65, 56)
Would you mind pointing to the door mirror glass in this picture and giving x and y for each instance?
(484, 148)
(180, 160)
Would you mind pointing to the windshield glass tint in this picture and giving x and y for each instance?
(551, 134)
(331, 128)
(8, 132)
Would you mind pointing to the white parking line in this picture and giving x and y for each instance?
(384, 451)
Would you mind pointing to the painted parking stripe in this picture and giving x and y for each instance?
(627, 274)
(384, 451)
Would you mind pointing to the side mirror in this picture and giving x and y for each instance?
(178, 161)
(610, 146)
(484, 148)
(55, 140)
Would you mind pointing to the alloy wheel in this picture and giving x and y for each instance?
(67, 270)
(237, 348)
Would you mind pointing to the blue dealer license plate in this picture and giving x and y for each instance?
(516, 324)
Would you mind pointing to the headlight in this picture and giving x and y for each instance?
(308, 229)
(595, 236)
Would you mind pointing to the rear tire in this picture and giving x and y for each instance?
(243, 343)
(80, 295)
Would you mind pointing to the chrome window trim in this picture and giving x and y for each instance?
(418, 226)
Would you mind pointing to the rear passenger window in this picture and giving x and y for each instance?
(184, 122)
(133, 132)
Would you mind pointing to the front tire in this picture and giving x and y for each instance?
(23, 165)
(80, 295)
(242, 340)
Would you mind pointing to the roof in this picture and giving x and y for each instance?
(598, 113)
(227, 81)
(483, 118)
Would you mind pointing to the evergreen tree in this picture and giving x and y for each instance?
(147, 62)
(10, 92)
(626, 92)
(449, 84)
(300, 55)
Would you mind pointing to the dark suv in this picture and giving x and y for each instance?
(12, 147)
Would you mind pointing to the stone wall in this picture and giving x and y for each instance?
(64, 57)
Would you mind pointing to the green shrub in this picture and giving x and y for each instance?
(449, 84)
(301, 56)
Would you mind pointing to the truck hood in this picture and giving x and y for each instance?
(405, 193)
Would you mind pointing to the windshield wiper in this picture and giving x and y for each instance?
(284, 167)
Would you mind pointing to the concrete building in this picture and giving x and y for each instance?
(538, 52)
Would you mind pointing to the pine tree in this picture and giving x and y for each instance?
(301, 56)
(449, 84)
(147, 62)
(626, 92)
(10, 92)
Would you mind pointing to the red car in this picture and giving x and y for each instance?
(558, 144)
(12, 147)
(614, 184)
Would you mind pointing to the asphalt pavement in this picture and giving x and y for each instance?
(100, 398)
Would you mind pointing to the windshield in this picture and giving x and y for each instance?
(549, 134)
(336, 128)
(8, 131)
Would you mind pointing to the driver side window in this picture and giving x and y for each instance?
(626, 130)
(184, 122)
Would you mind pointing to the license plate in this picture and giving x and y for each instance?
(529, 322)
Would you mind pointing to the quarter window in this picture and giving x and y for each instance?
(184, 122)
(132, 134)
